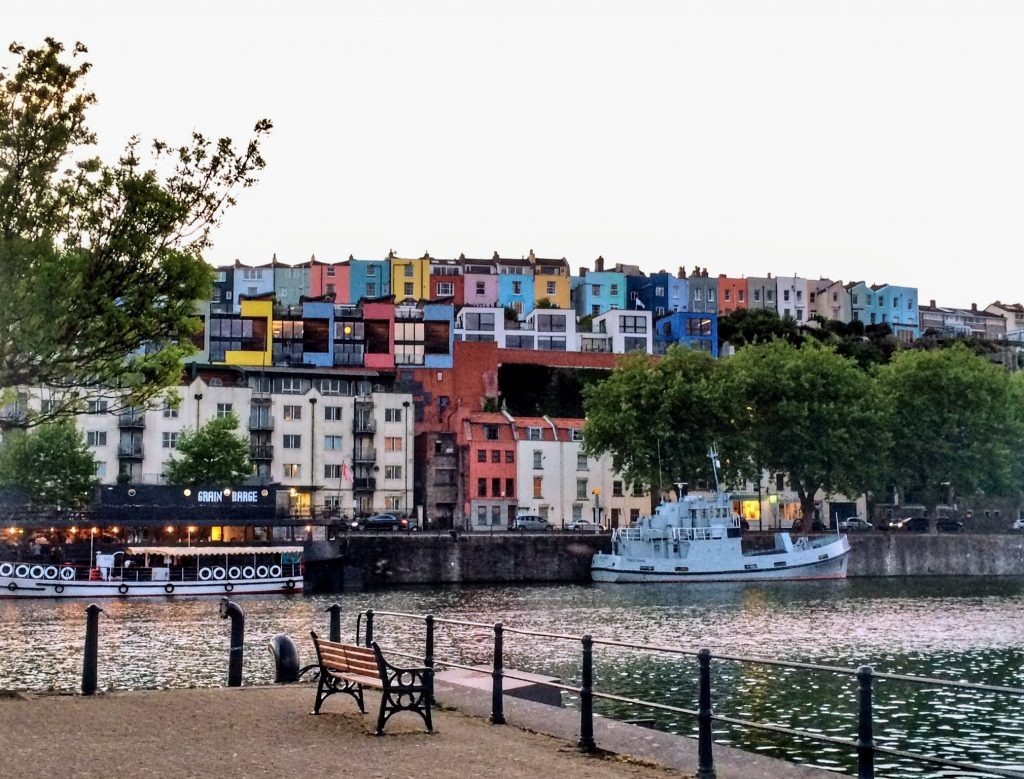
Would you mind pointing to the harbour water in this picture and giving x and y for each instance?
(961, 629)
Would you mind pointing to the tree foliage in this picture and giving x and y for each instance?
(812, 414)
(213, 454)
(958, 423)
(658, 417)
(51, 464)
(102, 263)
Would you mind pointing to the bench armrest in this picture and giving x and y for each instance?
(412, 675)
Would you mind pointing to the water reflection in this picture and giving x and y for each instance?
(965, 629)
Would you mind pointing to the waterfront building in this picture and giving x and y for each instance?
(794, 296)
(649, 293)
(330, 279)
(223, 294)
(291, 282)
(1013, 313)
(370, 279)
(446, 281)
(252, 281)
(703, 293)
(947, 322)
(515, 284)
(619, 332)
(410, 278)
(550, 281)
(480, 285)
(732, 294)
(761, 292)
(832, 301)
(695, 330)
(897, 306)
(594, 292)
(490, 468)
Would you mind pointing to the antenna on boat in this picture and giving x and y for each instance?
(715, 465)
(660, 488)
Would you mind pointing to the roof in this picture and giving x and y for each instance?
(196, 551)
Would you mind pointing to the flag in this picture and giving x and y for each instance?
(346, 472)
(639, 303)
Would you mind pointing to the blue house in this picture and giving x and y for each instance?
(695, 329)
(598, 291)
(369, 279)
(318, 330)
(515, 285)
(439, 335)
(654, 293)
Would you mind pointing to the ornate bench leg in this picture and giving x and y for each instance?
(319, 694)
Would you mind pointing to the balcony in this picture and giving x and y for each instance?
(364, 485)
(261, 452)
(362, 425)
(261, 422)
(130, 451)
(364, 455)
(131, 419)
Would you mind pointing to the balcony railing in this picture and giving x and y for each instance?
(365, 455)
(130, 451)
(364, 426)
(260, 422)
(261, 452)
(364, 485)
(131, 419)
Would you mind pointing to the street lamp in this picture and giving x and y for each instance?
(405, 469)
(198, 396)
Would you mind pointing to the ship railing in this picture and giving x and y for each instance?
(862, 745)
(190, 573)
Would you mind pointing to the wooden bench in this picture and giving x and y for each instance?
(349, 668)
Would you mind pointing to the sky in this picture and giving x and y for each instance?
(875, 141)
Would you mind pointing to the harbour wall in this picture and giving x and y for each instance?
(360, 560)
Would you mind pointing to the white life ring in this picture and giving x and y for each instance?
(6, 569)
(50, 572)
(248, 572)
(67, 573)
(21, 571)
(234, 572)
(205, 574)
(275, 570)
(218, 573)
(262, 572)
(36, 572)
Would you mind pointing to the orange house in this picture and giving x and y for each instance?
(732, 294)
(490, 471)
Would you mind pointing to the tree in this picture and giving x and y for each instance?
(51, 464)
(813, 415)
(213, 454)
(102, 263)
(958, 425)
(756, 325)
(658, 417)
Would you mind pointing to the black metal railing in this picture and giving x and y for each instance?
(864, 746)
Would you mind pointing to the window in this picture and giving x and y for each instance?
(551, 344)
(332, 442)
(392, 415)
(551, 288)
(538, 486)
(332, 413)
(292, 441)
(407, 271)
(660, 292)
(517, 288)
(169, 440)
(249, 274)
(97, 407)
(392, 471)
(581, 489)
(392, 444)
(510, 488)
(496, 487)
(481, 288)
(292, 413)
(481, 489)
(408, 288)
(481, 515)
(223, 410)
(613, 290)
(785, 295)
(633, 324)
(330, 289)
(595, 290)
(481, 455)
(769, 295)
(728, 296)
(371, 270)
(491, 432)
(445, 289)
(292, 387)
(371, 289)
(576, 434)
(96, 438)
(577, 512)
(638, 491)
(170, 413)
(517, 306)
(330, 270)
(291, 470)
(757, 296)
(740, 295)
(393, 502)
(550, 323)
(533, 434)
(697, 293)
(582, 463)
(510, 456)
(332, 471)
(101, 470)
(496, 455)
(538, 460)
(617, 489)
(334, 386)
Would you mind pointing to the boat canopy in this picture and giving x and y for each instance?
(210, 551)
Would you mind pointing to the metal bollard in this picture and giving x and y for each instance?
(369, 627)
(334, 632)
(92, 639)
(587, 742)
(705, 760)
(231, 609)
(497, 706)
(286, 659)
(428, 653)
(865, 734)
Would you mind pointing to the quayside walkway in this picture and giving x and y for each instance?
(268, 731)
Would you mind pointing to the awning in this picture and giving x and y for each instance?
(195, 551)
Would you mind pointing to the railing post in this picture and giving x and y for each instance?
(705, 759)
(587, 697)
(428, 652)
(497, 706)
(865, 735)
(369, 627)
(334, 632)
(92, 639)
(231, 609)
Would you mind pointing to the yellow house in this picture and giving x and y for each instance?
(256, 319)
(410, 279)
(550, 280)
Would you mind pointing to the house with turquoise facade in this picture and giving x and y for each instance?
(291, 283)
(369, 279)
(886, 304)
(597, 291)
(515, 285)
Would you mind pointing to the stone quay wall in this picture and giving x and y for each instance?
(360, 560)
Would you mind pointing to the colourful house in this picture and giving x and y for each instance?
(515, 285)
(480, 281)
(252, 281)
(369, 279)
(597, 291)
(732, 294)
(410, 278)
(446, 281)
(244, 339)
(330, 278)
(291, 283)
(550, 281)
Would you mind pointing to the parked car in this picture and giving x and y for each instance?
(583, 526)
(384, 522)
(816, 526)
(920, 525)
(855, 523)
(531, 522)
(1018, 524)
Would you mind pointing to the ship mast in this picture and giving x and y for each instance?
(713, 456)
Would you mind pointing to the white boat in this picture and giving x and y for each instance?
(698, 539)
(160, 571)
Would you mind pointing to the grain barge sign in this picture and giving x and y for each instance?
(251, 497)
(203, 504)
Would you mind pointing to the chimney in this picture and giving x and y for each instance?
(974, 307)
(583, 271)
(495, 257)
(931, 304)
(681, 274)
(769, 274)
(532, 257)
(599, 264)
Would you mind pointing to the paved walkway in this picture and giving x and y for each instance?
(264, 731)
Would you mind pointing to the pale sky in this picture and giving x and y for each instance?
(876, 141)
